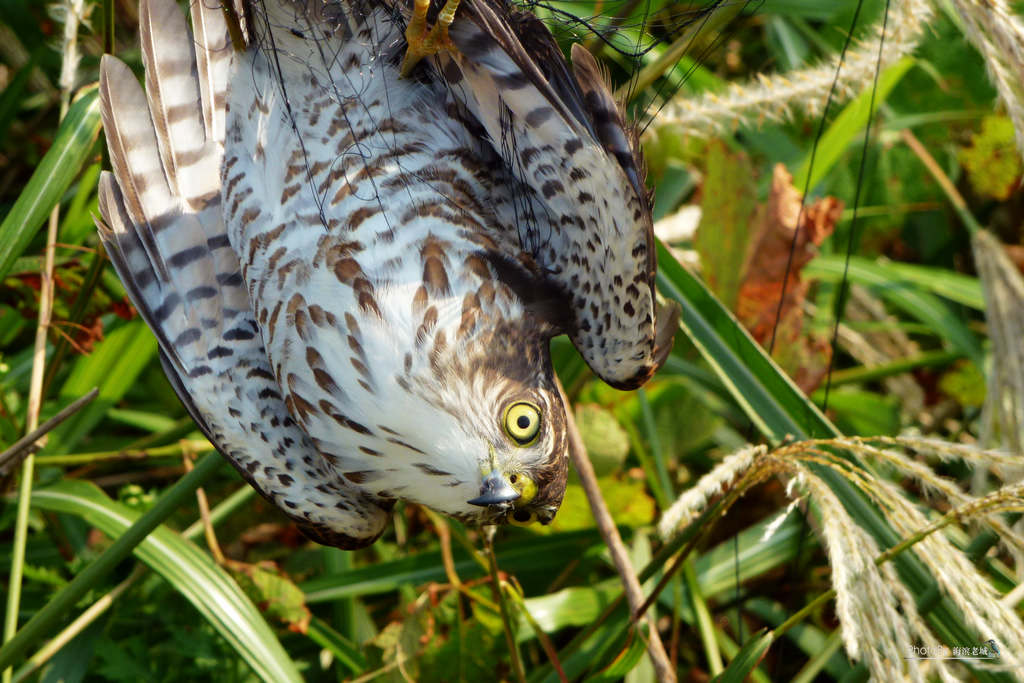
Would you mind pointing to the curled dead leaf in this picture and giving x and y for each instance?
(785, 236)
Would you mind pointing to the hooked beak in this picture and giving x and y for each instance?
(495, 490)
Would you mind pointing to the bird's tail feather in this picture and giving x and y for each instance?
(188, 151)
(213, 62)
(166, 159)
(166, 237)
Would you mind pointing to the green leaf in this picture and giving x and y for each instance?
(606, 441)
(113, 366)
(992, 162)
(747, 658)
(676, 182)
(123, 661)
(274, 592)
(912, 299)
(865, 413)
(191, 571)
(625, 660)
(52, 177)
(574, 606)
(957, 287)
(727, 210)
(965, 383)
(77, 218)
(685, 414)
(404, 641)
(628, 501)
(848, 125)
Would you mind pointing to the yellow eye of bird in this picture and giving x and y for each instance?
(522, 423)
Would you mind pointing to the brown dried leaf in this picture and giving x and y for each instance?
(777, 245)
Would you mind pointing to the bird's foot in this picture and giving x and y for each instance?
(424, 41)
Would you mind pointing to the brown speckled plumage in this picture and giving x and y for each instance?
(354, 276)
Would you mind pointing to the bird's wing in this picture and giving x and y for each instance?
(166, 237)
(588, 224)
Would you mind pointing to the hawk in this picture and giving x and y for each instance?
(354, 231)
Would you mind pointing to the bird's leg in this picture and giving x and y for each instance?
(424, 41)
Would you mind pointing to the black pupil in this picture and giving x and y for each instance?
(523, 422)
(521, 516)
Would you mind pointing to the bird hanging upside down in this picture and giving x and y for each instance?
(354, 275)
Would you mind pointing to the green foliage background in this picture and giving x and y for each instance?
(390, 610)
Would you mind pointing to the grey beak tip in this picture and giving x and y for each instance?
(495, 490)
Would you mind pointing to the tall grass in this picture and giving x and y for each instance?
(754, 539)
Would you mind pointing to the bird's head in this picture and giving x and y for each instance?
(493, 422)
(522, 477)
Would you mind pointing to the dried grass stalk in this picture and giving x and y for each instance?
(878, 616)
(775, 97)
(1003, 288)
(998, 34)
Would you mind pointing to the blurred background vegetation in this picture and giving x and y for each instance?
(908, 355)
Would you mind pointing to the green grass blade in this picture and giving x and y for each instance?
(753, 554)
(347, 653)
(848, 125)
(45, 620)
(537, 554)
(52, 177)
(821, 647)
(963, 289)
(113, 366)
(188, 569)
(747, 659)
(590, 651)
(770, 399)
(624, 661)
(911, 298)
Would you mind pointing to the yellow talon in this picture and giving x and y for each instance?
(422, 41)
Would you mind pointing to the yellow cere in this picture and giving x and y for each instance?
(526, 487)
(527, 492)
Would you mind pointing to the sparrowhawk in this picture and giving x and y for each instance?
(354, 234)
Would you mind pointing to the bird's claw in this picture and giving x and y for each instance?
(424, 41)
